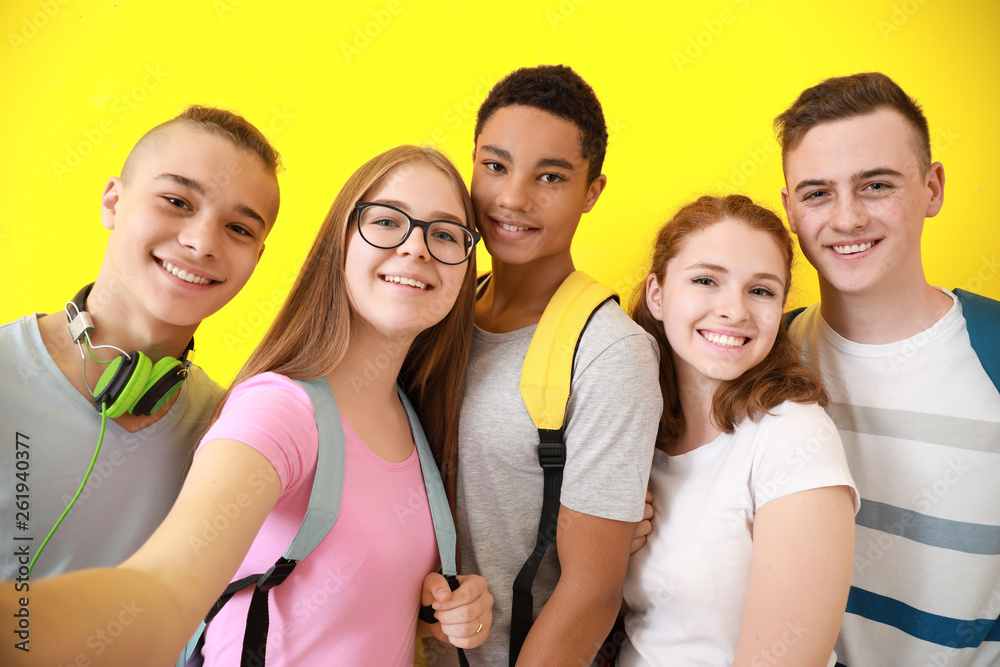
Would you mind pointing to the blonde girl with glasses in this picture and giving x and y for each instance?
(362, 316)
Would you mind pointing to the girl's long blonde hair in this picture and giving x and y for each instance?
(310, 334)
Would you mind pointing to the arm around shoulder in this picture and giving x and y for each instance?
(612, 421)
(593, 558)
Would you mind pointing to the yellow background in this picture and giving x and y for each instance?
(689, 91)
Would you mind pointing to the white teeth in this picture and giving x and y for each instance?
(513, 228)
(724, 341)
(404, 281)
(851, 249)
(184, 275)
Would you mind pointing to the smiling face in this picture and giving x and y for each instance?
(720, 303)
(529, 185)
(187, 228)
(857, 197)
(401, 291)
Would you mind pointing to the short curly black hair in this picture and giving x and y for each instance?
(560, 91)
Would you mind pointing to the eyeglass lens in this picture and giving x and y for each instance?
(385, 227)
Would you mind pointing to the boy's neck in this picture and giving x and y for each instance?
(517, 294)
(114, 324)
(130, 326)
(886, 315)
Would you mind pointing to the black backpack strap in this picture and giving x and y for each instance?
(787, 318)
(427, 616)
(191, 657)
(258, 619)
(552, 459)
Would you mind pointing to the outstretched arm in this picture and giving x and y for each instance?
(145, 610)
(803, 546)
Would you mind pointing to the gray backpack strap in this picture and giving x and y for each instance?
(321, 514)
(437, 499)
(324, 500)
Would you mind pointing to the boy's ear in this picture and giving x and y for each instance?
(654, 297)
(594, 192)
(109, 202)
(260, 252)
(788, 211)
(935, 188)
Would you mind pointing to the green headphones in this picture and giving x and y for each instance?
(131, 382)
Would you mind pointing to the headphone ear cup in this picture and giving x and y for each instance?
(122, 383)
(161, 386)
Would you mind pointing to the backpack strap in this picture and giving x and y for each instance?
(437, 499)
(321, 514)
(546, 377)
(982, 320)
(787, 318)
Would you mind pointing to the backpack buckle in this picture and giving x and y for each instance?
(551, 455)
(277, 574)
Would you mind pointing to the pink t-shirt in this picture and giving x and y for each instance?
(354, 600)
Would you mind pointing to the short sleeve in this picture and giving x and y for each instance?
(273, 415)
(797, 449)
(613, 416)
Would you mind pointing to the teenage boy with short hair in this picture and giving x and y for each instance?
(917, 412)
(188, 217)
(540, 143)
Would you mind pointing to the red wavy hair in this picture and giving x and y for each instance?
(780, 377)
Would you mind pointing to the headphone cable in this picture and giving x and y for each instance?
(93, 461)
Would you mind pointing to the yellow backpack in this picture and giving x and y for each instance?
(545, 386)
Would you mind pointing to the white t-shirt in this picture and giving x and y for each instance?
(686, 588)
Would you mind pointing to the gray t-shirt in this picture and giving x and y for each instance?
(49, 433)
(611, 424)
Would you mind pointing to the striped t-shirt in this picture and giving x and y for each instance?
(920, 423)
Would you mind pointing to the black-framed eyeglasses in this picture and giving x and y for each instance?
(385, 226)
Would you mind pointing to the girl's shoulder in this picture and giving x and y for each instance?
(270, 386)
(791, 422)
(798, 448)
(791, 412)
(272, 414)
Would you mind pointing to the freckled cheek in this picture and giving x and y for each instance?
(896, 212)
(806, 225)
